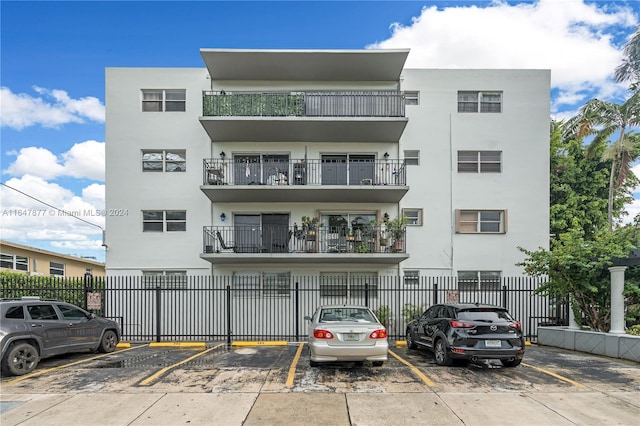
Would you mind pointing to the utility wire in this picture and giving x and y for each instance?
(53, 207)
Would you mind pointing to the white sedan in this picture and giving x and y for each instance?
(346, 333)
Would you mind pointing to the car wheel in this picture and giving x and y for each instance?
(441, 354)
(513, 363)
(109, 342)
(377, 363)
(411, 341)
(20, 359)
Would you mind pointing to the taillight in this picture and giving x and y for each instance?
(319, 333)
(378, 334)
(516, 325)
(461, 324)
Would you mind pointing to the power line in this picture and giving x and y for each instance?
(53, 207)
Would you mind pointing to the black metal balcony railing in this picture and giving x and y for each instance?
(297, 239)
(304, 172)
(379, 103)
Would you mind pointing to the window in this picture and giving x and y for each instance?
(164, 160)
(345, 284)
(411, 277)
(165, 279)
(412, 158)
(164, 100)
(479, 280)
(71, 313)
(481, 221)
(479, 101)
(267, 284)
(479, 161)
(411, 97)
(56, 269)
(414, 216)
(15, 262)
(42, 312)
(164, 220)
(15, 312)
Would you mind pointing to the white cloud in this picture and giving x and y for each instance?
(53, 109)
(84, 160)
(24, 219)
(564, 36)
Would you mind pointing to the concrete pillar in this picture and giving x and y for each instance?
(617, 299)
(573, 325)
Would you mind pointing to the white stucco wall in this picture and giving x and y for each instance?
(521, 132)
(435, 128)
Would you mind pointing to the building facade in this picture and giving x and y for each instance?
(265, 164)
(37, 262)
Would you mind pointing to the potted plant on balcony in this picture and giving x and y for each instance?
(396, 228)
(309, 227)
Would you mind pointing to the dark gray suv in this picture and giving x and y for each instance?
(32, 329)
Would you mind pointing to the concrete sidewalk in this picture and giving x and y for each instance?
(306, 408)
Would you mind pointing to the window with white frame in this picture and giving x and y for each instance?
(160, 160)
(411, 97)
(412, 157)
(411, 277)
(56, 269)
(164, 220)
(348, 285)
(158, 100)
(479, 161)
(15, 262)
(481, 221)
(479, 280)
(261, 284)
(414, 216)
(476, 101)
(165, 279)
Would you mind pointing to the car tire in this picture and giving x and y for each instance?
(377, 363)
(108, 342)
(411, 341)
(440, 353)
(513, 363)
(20, 359)
(314, 363)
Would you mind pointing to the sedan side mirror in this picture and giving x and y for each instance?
(307, 317)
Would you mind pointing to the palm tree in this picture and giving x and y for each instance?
(603, 119)
(629, 69)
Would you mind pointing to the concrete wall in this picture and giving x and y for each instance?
(613, 345)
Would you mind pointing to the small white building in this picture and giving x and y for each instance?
(211, 170)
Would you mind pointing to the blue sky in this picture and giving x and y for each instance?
(54, 54)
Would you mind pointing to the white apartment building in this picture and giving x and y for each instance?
(211, 170)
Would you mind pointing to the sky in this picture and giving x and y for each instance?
(53, 56)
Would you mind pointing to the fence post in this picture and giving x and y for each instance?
(228, 294)
(88, 287)
(435, 292)
(158, 311)
(504, 296)
(297, 311)
(366, 294)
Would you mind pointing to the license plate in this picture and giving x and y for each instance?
(493, 343)
(351, 337)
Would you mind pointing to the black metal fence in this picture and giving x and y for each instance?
(273, 308)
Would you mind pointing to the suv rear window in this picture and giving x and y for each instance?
(15, 312)
(487, 315)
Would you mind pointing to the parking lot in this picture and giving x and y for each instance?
(264, 384)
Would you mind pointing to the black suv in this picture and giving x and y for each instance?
(467, 332)
(32, 329)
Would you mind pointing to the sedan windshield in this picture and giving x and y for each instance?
(346, 315)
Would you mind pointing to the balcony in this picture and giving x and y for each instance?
(282, 244)
(318, 116)
(332, 179)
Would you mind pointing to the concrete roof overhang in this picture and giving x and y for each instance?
(305, 65)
